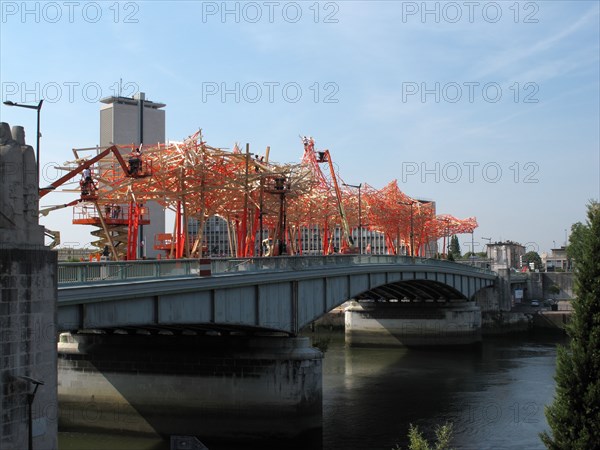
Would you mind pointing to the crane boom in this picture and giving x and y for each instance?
(338, 194)
(84, 166)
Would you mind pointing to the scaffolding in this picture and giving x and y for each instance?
(270, 208)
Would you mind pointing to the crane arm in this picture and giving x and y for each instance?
(82, 167)
(338, 194)
(54, 235)
(45, 211)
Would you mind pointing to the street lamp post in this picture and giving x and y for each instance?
(30, 398)
(359, 186)
(37, 148)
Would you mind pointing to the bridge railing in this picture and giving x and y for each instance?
(283, 263)
(76, 273)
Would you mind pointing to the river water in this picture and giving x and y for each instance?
(493, 394)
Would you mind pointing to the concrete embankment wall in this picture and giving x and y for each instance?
(552, 320)
(492, 322)
(502, 322)
(540, 285)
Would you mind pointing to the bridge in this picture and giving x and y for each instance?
(281, 294)
(140, 330)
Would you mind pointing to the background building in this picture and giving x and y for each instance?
(123, 121)
(557, 261)
(505, 255)
(215, 237)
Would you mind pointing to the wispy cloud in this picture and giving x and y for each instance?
(508, 60)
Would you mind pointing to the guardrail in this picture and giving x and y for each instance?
(86, 272)
(229, 265)
(75, 273)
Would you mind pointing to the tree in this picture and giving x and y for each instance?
(574, 415)
(468, 255)
(454, 248)
(533, 257)
(554, 289)
(576, 239)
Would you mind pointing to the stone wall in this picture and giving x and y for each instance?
(540, 284)
(27, 303)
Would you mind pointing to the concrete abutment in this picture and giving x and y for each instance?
(427, 324)
(235, 388)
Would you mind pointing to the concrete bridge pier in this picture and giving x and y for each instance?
(218, 388)
(398, 324)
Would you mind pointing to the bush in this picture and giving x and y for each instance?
(443, 436)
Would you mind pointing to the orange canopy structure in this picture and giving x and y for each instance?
(254, 195)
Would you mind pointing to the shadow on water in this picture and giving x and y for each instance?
(493, 393)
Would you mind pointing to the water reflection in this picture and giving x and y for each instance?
(494, 394)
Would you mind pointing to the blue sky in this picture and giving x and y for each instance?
(491, 111)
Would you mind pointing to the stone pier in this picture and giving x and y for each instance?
(221, 388)
(28, 294)
(397, 324)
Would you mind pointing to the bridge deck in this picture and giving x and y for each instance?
(279, 294)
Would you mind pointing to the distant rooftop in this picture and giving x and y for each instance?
(507, 243)
(132, 101)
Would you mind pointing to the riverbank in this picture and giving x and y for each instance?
(520, 318)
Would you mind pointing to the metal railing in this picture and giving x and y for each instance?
(283, 263)
(76, 273)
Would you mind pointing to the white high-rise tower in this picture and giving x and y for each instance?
(126, 120)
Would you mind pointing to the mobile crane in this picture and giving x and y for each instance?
(89, 192)
(324, 156)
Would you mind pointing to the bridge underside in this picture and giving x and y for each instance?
(412, 290)
(192, 329)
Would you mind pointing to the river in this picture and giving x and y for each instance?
(493, 394)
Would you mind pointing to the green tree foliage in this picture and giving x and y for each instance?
(578, 236)
(468, 255)
(443, 436)
(574, 415)
(533, 257)
(554, 289)
(454, 248)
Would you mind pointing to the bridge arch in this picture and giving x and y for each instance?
(402, 286)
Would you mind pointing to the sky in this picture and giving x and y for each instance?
(489, 108)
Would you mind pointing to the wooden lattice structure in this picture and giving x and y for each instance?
(256, 196)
